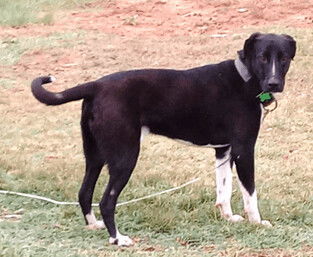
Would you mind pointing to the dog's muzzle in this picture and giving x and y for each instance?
(273, 84)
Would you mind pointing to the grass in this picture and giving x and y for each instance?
(184, 222)
(41, 153)
(13, 48)
(21, 12)
(6, 83)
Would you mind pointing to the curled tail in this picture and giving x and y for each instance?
(50, 98)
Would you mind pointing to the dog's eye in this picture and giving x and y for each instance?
(263, 59)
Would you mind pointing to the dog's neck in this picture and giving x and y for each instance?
(242, 70)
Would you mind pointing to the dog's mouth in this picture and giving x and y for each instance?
(273, 85)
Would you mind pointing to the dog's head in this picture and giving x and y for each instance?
(267, 57)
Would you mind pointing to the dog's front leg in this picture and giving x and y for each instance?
(243, 155)
(224, 184)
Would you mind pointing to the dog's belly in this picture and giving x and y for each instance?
(198, 136)
(206, 146)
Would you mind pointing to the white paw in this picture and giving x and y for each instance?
(236, 218)
(99, 224)
(93, 223)
(121, 240)
(266, 223)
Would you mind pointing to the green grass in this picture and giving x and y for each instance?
(182, 221)
(22, 12)
(13, 48)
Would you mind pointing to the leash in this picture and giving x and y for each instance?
(46, 199)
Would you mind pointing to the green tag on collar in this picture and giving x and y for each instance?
(265, 96)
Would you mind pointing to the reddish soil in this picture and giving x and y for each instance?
(186, 17)
(154, 19)
(176, 17)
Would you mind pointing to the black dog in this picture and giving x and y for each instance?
(217, 105)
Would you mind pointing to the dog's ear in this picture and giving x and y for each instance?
(292, 44)
(248, 46)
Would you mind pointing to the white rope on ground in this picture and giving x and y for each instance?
(37, 197)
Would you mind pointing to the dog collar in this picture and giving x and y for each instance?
(242, 70)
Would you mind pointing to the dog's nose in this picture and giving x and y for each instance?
(274, 84)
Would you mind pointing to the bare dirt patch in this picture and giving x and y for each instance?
(149, 19)
(179, 17)
(186, 17)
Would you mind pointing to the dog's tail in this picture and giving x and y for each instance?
(50, 98)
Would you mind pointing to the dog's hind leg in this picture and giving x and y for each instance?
(94, 163)
(120, 169)
(93, 169)
(224, 184)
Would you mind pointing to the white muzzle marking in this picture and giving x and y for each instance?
(273, 69)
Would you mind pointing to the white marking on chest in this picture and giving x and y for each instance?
(144, 131)
(262, 113)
